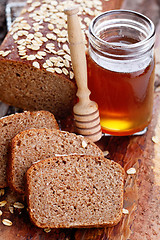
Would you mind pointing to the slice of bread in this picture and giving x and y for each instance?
(75, 191)
(15, 123)
(33, 145)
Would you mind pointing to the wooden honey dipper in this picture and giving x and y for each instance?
(86, 114)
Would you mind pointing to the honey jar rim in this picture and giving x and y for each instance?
(148, 40)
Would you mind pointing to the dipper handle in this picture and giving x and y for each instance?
(78, 56)
(86, 112)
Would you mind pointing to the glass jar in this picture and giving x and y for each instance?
(120, 62)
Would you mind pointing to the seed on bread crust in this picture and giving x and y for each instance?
(49, 15)
(3, 203)
(7, 222)
(18, 205)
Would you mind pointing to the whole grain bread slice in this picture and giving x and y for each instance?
(75, 191)
(33, 145)
(15, 123)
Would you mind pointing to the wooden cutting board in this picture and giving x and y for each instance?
(142, 190)
(141, 195)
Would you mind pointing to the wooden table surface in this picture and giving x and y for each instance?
(142, 190)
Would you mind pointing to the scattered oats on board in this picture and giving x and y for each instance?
(131, 171)
(18, 205)
(105, 153)
(7, 222)
(3, 203)
(155, 139)
(47, 230)
(157, 89)
(125, 211)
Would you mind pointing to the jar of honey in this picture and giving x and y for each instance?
(120, 62)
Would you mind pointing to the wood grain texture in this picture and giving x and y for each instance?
(141, 196)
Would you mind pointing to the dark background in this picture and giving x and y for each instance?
(3, 27)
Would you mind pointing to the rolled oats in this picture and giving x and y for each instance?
(131, 171)
(125, 211)
(47, 230)
(3, 203)
(18, 205)
(58, 70)
(50, 70)
(31, 57)
(7, 222)
(11, 209)
(36, 64)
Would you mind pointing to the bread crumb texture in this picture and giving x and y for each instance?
(34, 145)
(75, 191)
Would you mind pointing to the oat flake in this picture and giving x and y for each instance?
(36, 64)
(155, 139)
(125, 211)
(11, 209)
(131, 171)
(7, 222)
(18, 205)
(47, 230)
(3, 203)
(105, 153)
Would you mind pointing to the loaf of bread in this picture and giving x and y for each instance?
(13, 124)
(75, 191)
(35, 63)
(33, 145)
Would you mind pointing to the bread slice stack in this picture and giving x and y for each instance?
(34, 145)
(64, 176)
(67, 181)
(15, 123)
(75, 191)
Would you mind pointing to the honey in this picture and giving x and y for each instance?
(125, 100)
(121, 74)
